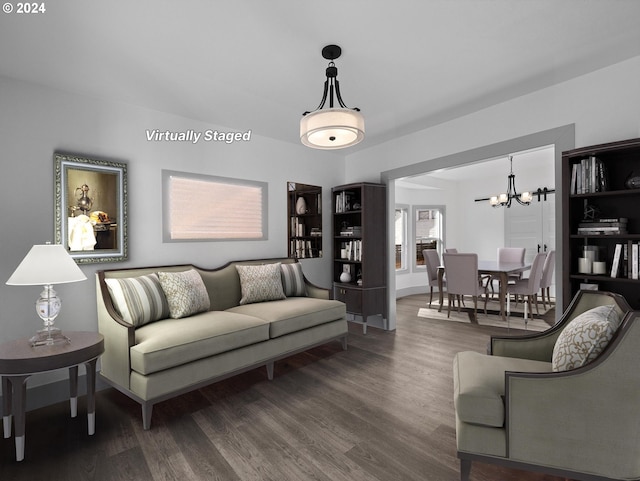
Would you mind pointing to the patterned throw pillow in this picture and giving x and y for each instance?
(585, 338)
(293, 280)
(260, 283)
(138, 300)
(186, 293)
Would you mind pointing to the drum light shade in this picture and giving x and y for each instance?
(332, 128)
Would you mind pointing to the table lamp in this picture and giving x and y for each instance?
(47, 265)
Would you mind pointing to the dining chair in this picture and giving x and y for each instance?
(547, 276)
(529, 287)
(451, 250)
(432, 262)
(508, 254)
(462, 279)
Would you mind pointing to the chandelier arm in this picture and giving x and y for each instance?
(324, 98)
(338, 96)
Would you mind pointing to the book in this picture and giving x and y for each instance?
(616, 260)
(634, 261)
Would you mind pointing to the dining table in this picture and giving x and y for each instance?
(501, 270)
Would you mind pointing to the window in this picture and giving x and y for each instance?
(401, 237)
(203, 207)
(428, 229)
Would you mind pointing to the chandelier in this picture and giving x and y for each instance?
(504, 199)
(338, 126)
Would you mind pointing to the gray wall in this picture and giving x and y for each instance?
(36, 121)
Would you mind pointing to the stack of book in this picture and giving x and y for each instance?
(614, 225)
(626, 260)
(589, 176)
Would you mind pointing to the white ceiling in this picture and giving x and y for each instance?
(256, 64)
(542, 158)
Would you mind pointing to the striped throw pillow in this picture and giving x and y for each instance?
(138, 300)
(293, 280)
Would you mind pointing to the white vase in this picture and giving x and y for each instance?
(345, 277)
(301, 206)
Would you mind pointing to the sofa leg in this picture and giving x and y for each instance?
(270, 371)
(147, 410)
(343, 341)
(465, 469)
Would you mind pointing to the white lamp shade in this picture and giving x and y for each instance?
(526, 197)
(332, 128)
(503, 198)
(494, 200)
(46, 264)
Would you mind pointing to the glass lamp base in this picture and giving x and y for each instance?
(49, 337)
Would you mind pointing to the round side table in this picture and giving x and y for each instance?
(19, 360)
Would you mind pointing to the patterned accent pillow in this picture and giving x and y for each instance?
(260, 283)
(186, 293)
(138, 300)
(585, 338)
(293, 280)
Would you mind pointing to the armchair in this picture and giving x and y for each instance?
(513, 410)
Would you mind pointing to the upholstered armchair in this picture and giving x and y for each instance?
(555, 402)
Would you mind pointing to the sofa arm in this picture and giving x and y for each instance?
(118, 337)
(539, 346)
(582, 420)
(317, 291)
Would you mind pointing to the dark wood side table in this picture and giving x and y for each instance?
(18, 361)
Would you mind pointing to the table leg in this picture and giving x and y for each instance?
(91, 396)
(6, 407)
(503, 294)
(440, 287)
(19, 387)
(73, 390)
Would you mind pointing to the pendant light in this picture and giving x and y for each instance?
(504, 199)
(338, 126)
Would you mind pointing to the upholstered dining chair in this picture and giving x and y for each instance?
(432, 262)
(508, 254)
(462, 279)
(528, 288)
(451, 250)
(547, 277)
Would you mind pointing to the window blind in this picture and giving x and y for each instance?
(202, 207)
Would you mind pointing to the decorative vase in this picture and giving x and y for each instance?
(632, 182)
(301, 206)
(345, 277)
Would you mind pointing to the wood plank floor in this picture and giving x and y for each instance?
(382, 410)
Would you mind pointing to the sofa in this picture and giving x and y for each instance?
(173, 329)
(564, 402)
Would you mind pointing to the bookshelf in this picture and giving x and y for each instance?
(304, 210)
(359, 249)
(600, 204)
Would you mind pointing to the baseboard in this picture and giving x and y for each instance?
(58, 391)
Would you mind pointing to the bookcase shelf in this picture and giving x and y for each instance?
(359, 248)
(617, 161)
(301, 243)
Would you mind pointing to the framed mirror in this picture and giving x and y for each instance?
(91, 208)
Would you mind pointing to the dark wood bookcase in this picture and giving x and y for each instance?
(360, 249)
(305, 227)
(609, 200)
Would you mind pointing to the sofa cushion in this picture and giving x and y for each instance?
(138, 300)
(185, 291)
(172, 342)
(293, 280)
(260, 283)
(294, 313)
(478, 382)
(585, 337)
